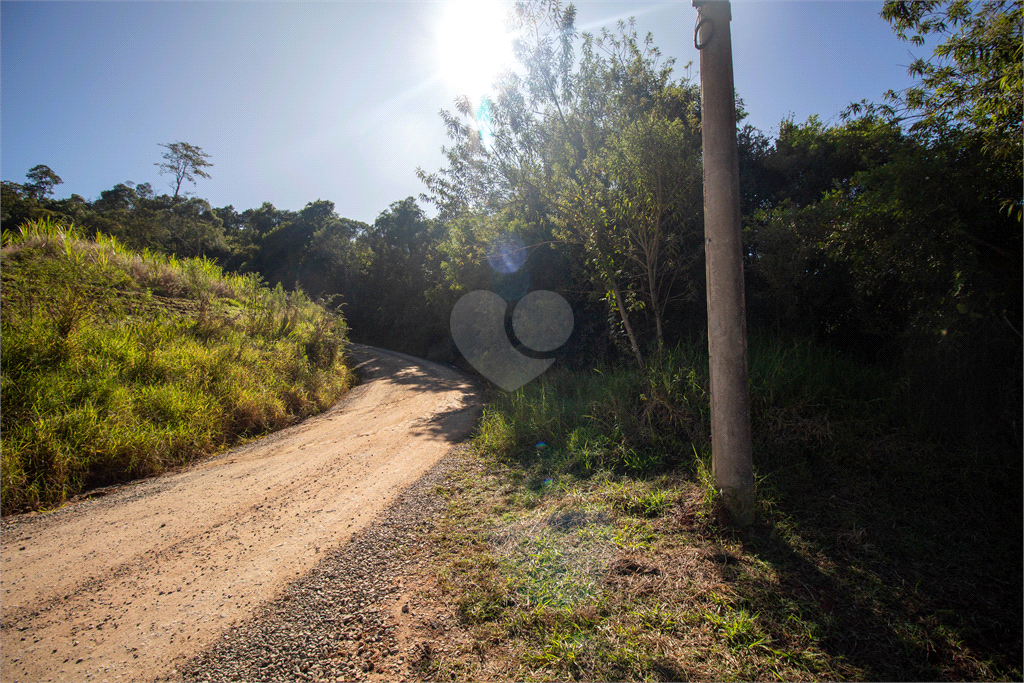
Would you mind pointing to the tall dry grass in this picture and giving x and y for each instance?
(118, 365)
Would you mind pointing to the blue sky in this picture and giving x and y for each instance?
(302, 101)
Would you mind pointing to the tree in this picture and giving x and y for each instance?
(393, 265)
(15, 205)
(29, 201)
(183, 161)
(400, 237)
(193, 228)
(42, 181)
(334, 258)
(655, 172)
(880, 233)
(120, 197)
(975, 77)
(564, 151)
(245, 233)
(630, 192)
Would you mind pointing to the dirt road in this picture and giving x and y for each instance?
(125, 586)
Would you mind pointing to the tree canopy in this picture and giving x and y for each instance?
(42, 181)
(183, 161)
(975, 77)
(598, 146)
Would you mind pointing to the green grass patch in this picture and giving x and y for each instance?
(587, 542)
(119, 365)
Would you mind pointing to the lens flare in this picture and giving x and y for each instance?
(506, 253)
(483, 124)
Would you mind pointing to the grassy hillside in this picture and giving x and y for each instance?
(119, 365)
(587, 543)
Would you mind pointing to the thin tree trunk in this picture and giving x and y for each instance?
(625, 322)
(657, 324)
(655, 295)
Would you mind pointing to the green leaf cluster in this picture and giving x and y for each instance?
(975, 76)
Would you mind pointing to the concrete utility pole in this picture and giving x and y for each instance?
(723, 246)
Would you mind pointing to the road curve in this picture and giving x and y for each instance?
(126, 586)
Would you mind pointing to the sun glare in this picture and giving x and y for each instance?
(474, 45)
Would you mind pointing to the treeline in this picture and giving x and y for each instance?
(894, 234)
(377, 272)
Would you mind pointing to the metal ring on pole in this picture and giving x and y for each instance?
(696, 31)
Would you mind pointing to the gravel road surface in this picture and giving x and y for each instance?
(147, 581)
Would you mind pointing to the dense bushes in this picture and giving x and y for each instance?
(805, 399)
